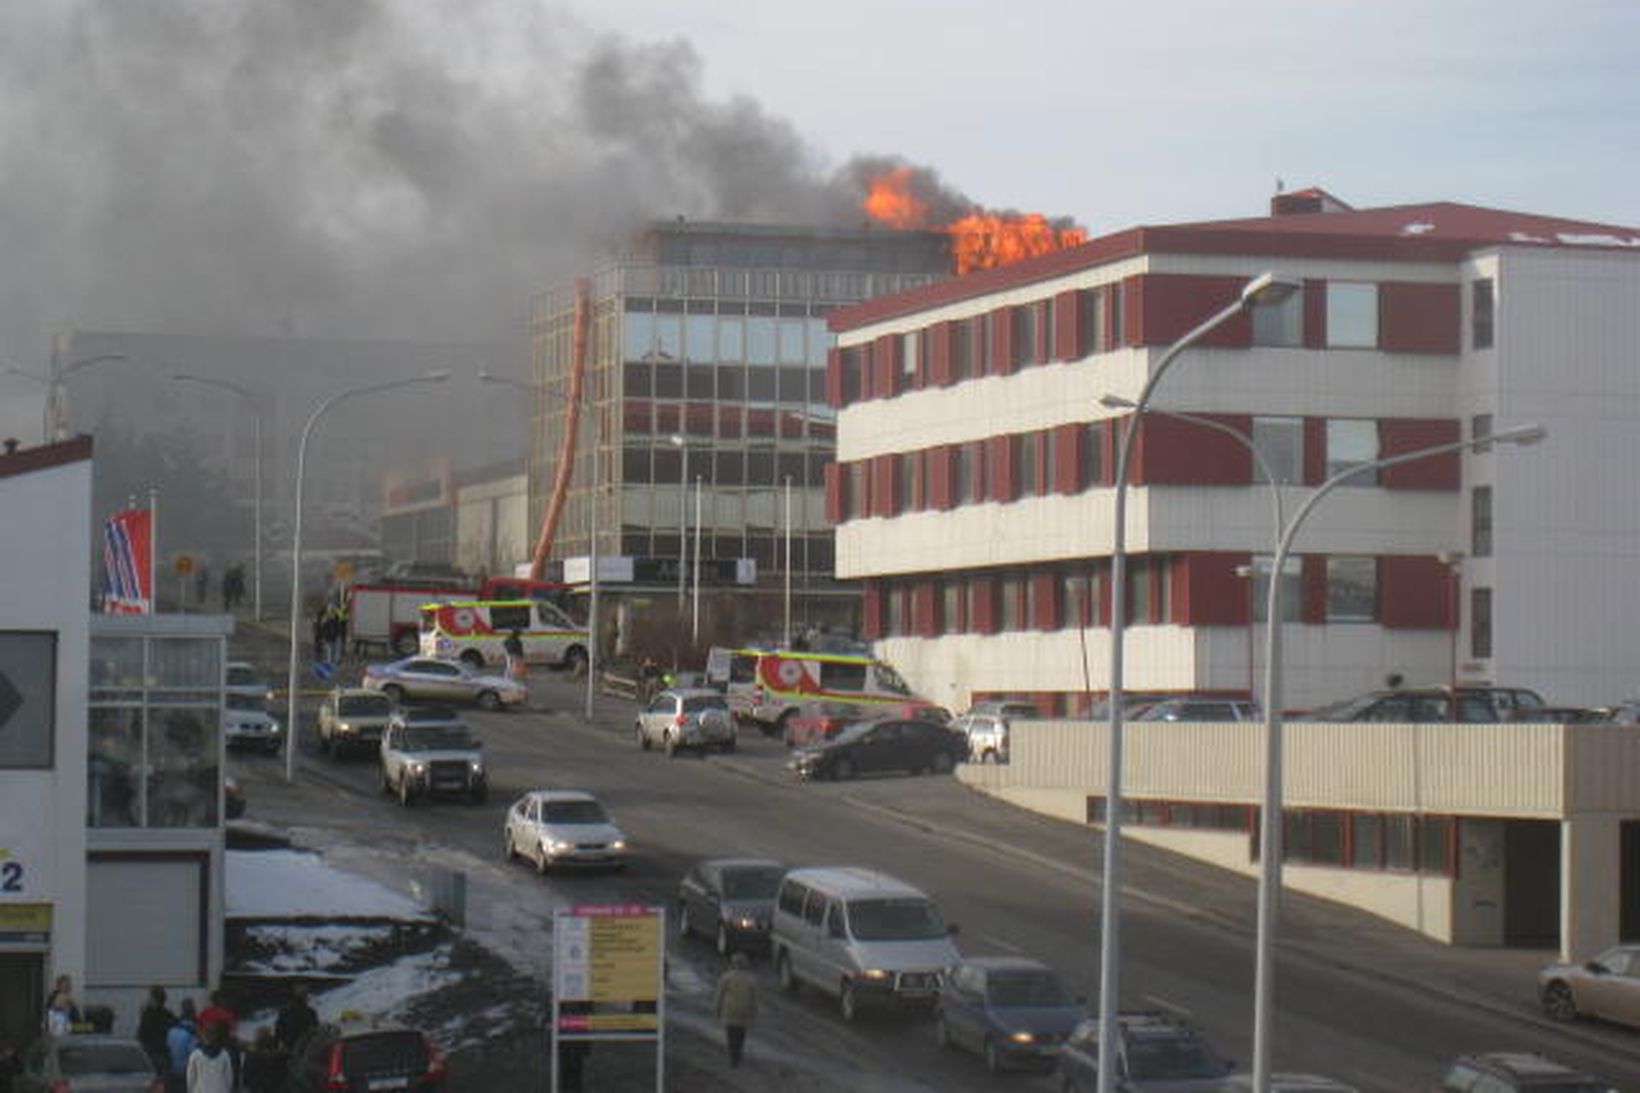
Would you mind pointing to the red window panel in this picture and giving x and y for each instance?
(1439, 472)
(791, 424)
(1419, 318)
(1170, 305)
(1069, 337)
(982, 605)
(1315, 314)
(837, 479)
(1002, 341)
(939, 469)
(1067, 441)
(1045, 601)
(730, 422)
(885, 366)
(941, 372)
(1001, 465)
(1207, 591)
(884, 487)
(668, 418)
(1173, 451)
(919, 481)
(859, 488)
(1313, 585)
(1101, 575)
(637, 414)
(698, 417)
(1315, 451)
(760, 421)
(924, 617)
(834, 378)
(871, 610)
(1415, 592)
(978, 461)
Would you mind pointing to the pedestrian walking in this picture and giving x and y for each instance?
(179, 1045)
(212, 1067)
(514, 648)
(735, 1003)
(153, 1027)
(62, 1012)
(296, 1019)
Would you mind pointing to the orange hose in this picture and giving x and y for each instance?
(572, 426)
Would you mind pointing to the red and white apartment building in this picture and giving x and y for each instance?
(973, 497)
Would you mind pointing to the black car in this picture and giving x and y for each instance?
(328, 1059)
(1519, 1072)
(867, 747)
(730, 900)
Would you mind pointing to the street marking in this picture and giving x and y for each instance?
(999, 943)
(1163, 1004)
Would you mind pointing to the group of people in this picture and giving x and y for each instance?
(330, 632)
(200, 1052)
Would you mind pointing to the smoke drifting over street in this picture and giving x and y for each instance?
(364, 169)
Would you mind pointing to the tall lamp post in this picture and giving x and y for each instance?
(256, 439)
(296, 543)
(597, 437)
(678, 441)
(1270, 846)
(1266, 288)
(54, 415)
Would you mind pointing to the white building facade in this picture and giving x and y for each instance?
(975, 471)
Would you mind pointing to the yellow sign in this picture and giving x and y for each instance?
(183, 564)
(342, 570)
(625, 952)
(25, 922)
(621, 1022)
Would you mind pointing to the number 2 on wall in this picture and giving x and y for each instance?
(11, 876)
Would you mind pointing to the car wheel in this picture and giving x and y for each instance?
(848, 1003)
(724, 944)
(994, 1061)
(942, 762)
(942, 1032)
(671, 745)
(394, 693)
(643, 739)
(489, 700)
(843, 769)
(781, 728)
(783, 973)
(406, 795)
(1559, 1003)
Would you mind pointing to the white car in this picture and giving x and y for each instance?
(687, 718)
(243, 678)
(246, 723)
(562, 827)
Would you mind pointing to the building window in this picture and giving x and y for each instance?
(962, 350)
(1480, 426)
(1292, 588)
(1352, 589)
(1025, 447)
(897, 614)
(1352, 315)
(1281, 323)
(1352, 442)
(1050, 329)
(1024, 347)
(951, 618)
(962, 474)
(1014, 593)
(1367, 841)
(1139, 590)
(1480, 522)
(905, 466)
(1279, 442)
(1092, 303)
(909, 344)
(1093, 455)
(1480, 623)
(1482, 307)
(1050, 466)
(1118, 323)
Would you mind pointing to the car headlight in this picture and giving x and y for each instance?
(1023, 1037)
(746, 922)
(344, 726)
(416, 768)
(874, 973)
(558, 846)
(478, 768)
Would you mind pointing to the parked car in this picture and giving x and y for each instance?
(1012, 1010)
(107, 1064)
(243, 678)
(817, 722)
(1200, 708)
(1288, 1083)
(554, 827)
(730, 900)
(1518, 1072)
(421, 759)
(868, 938)
(329, 1059)
(1487, 705)
(987, 735)
(1155, 1053)
(687, 718)
(353, 718)
(1607, 987)
(1013, 709)
(246, 723)
(420, 678)
(869, 747)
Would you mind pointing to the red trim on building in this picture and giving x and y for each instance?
(871, 610)
(43, 456)
(983, 596)
(1414, 593)
(884, 486)
(1067, 441)
(941, 372)
(1045, 601)
(1315, 451)
(1419, 318)
(1313, 586)
(1438, 472)
(1315, 314)
(1172, 451)
(1169, 305)
(836, 479)
(834, 378)
(1001, 467)
(1207, 591)
(1002, 361)
(1067, 326)
(941, 462)
(924, 618)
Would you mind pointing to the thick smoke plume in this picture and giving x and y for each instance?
(357, 169)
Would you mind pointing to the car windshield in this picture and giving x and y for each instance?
(436, 737)
(244, 702)
(365, 706)
(697, 703)
(1024, 988)
(573, 812)
(894, 920)
(1172, 1057)
(241, 676)
(752, 882)
(103, 1059)
(889, 680)
(853, 731)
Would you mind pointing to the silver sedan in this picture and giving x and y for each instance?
(442, 681)
(1607, 987)
(696, 718)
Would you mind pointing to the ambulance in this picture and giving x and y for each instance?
(473, 631)
(767, 687)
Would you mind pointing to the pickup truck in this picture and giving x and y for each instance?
(426, 758)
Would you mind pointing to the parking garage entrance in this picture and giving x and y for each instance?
(1628, 881)
(1531, 899)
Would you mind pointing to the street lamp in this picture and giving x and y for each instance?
(592, 536)
(1266, 288)
(256, 412)
(54, 415)
(677, 441)
(1270, 849)
(296, 543)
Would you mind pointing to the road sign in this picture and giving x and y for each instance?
(28, 695)
(324, 670)
(183, 564)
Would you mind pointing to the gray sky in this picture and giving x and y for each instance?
(394, 169)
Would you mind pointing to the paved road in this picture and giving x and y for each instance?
(1014, 881)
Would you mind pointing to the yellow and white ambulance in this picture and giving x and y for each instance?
(475, 631)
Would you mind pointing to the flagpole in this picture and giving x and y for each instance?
(153, 551)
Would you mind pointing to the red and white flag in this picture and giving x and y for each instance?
(128, 545)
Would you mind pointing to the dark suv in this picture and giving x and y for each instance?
(328, 1059)
(1488, 705)
(1518, 1072)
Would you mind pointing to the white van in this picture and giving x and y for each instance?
(861, 935)
(475, 631)
(767, 687)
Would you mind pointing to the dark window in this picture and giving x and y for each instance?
(728, 467)
(639, 379)
(1025, 334)
(962, 350)
(794, 384)
(1400, 840)
(1480, 522)
(635, 465)
(510, 618)
(951, 620)
(1434, 844)
(761, 385)
(1118, 323)
(1093, 455)
(1026, 464)
(1481, 316)
(669, 380)
(1352, 589)
(1480, 425)
(842, 676)
(1480, 623)
(1367, 841)
(698, 381)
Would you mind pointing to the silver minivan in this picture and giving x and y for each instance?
(869, 939)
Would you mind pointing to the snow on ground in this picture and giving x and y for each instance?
(312, 949)
(292, 884)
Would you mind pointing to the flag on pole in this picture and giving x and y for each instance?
(127, 550)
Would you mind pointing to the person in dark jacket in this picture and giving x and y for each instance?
(153, 1027)
(265, 1064)
(296, 1019)
(179, 1044)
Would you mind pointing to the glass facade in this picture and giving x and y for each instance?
(155, 731)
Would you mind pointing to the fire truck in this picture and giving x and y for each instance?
(387, 614)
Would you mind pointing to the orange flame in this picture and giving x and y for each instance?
(892, 202)
(980, 240)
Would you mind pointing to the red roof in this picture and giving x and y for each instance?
(26, 460)
(1438, 231)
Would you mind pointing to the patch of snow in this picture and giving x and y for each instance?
(1597, 239)
(292, 884)
(382, 994)
(1526, 237)
(302, 949)
(1421, 227)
